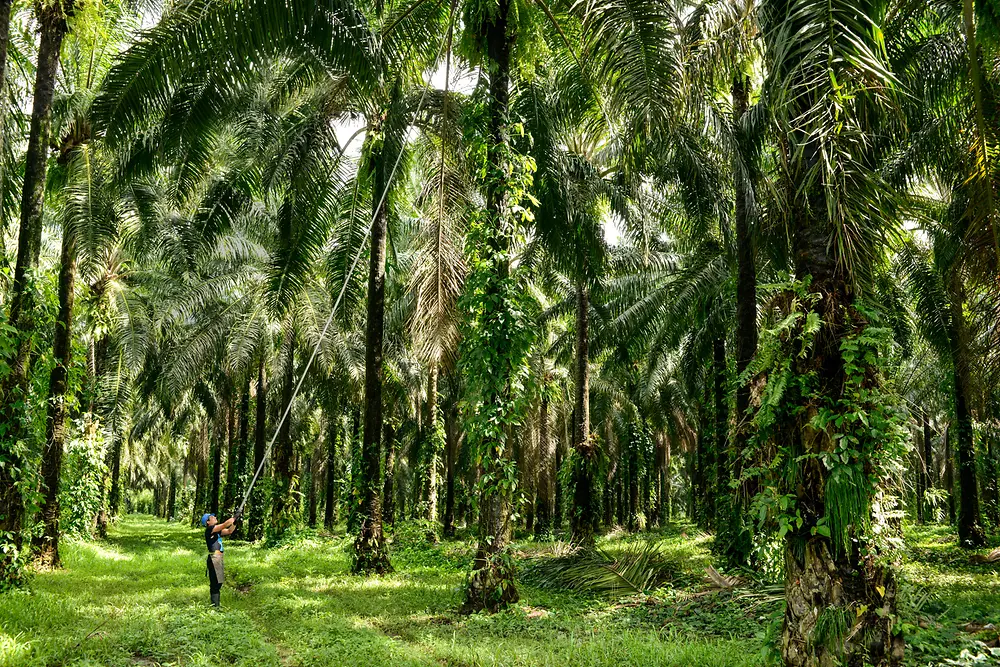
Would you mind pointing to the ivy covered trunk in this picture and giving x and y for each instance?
(837, 428)
(583, 520)
(496, 338)
(257, 500)
(14, 390)
(432, 444)
(47, 545)
(370, 553)
(970, 529)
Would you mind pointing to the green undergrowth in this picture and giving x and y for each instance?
(950, 605)
(141, 598)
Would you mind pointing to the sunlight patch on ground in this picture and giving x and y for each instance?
(100, 551)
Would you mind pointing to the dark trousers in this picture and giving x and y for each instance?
(216, 575)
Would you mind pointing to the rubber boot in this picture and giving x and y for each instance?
(215, 600)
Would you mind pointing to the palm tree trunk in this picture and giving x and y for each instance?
(255, 526)
(388, 499)
(242, 452)
(824, 582)
(491, 584)
(557, 492)
(218, 441)
(949, 473)
(370, 554)
(928, 455)
(229, 496)
(333, 424)
(451, 444)
(172, 495)
(281, 506)
(546, 456)
(47, 544)
(920, 470)
(52, 26)
(970, 530)
(431, 443)
(310, 469)
(584, 519)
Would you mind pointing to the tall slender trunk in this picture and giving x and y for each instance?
(583, 518)
(991, 492)
(115, 495)
(451, 453)
(243, 452)
(217, 444)
(920, 473)
(332, 428)
(562, 441)
(255, 526)
(928, 455)
(431, 442)
(229, 495)
(311, 495)
(47, 543)
(546, 455)
(5, 6)
(722, 459)
(388, 499)
(970, 529)
(736, 536)
(370, 553)
(171, 495)
(281, 506)
(52, 26)
(491, 584)
(949, 473)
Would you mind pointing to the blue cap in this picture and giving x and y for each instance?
(204, 519)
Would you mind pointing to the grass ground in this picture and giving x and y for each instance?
(141, 598)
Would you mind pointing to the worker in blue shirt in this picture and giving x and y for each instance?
(213, 540)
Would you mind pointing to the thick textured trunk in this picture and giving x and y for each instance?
(370, 553)
(840, 602)
(970, 529)
(47, 544)
(281, 505)
(583, 517)
(546, 458)
(52, 26)
(332, 427)
(255, 526)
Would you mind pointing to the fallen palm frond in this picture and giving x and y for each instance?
(637, 568)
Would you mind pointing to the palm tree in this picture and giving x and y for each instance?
(828, 82)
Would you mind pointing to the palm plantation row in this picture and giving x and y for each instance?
(581, 265)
